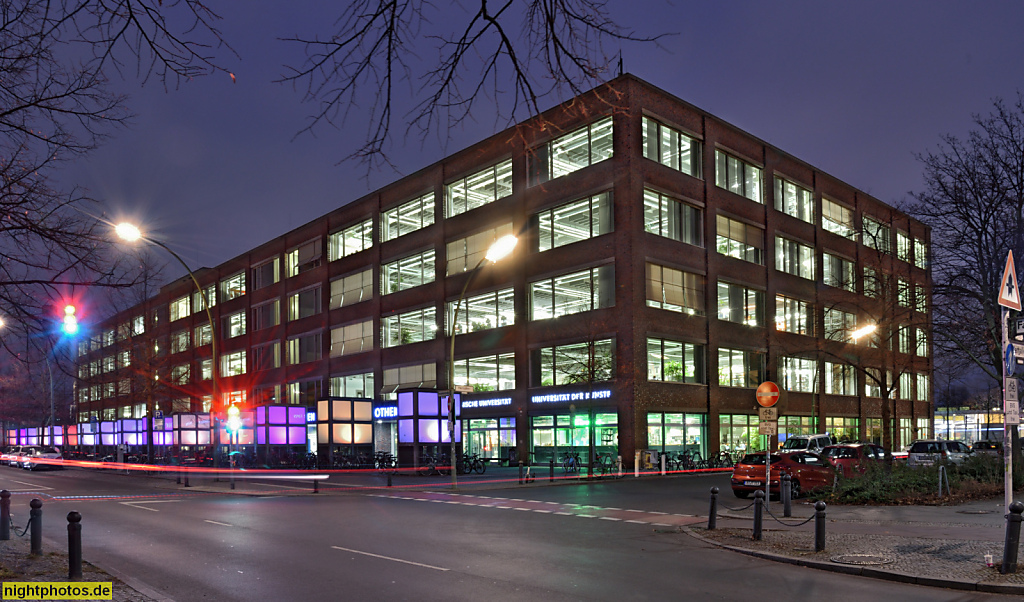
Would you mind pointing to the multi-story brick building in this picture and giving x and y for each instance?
(668, 263)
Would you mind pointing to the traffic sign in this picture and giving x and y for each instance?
(1009, 294)
(768, 427)
(1009, 363)
(463, 389)
(1010, 390)
(768, 414)
(767, 394)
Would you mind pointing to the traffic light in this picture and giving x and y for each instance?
(234, 420)
(70, 325)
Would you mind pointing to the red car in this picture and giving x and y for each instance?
(808, 471)
(853, 458)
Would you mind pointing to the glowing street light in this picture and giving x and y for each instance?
(498, 250)
(863, 331)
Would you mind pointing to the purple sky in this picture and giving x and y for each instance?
(854, 88)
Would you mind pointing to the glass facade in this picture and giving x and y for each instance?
(573, 363)
(794, 315)
(838, 272)
(738, 176)
(739, 434)
(478, 189)
(574, 151)
(407, 272)
(573, 293)
(553, 436)
(407, 217)
(794, 258)
(482, 312)
(793, 199)
(675, 361)
(740, 240)
(487, 373)
(409, 327)
(740, 368)
(350, 240)
(677, 432)
(490, 438)
(737, 303)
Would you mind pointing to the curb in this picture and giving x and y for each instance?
(873, 573)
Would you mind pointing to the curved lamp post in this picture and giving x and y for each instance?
(131, 233)
(498, 250)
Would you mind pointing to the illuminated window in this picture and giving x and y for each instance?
(350, 240)
(673, 219)
(180, 374)
(840, 379)
(410, 327)
(574, 363)
(793, 199)
(740, 368)
(794, 315)
(481, 312)
(179, 341)
(903, 292)
(675, 290)
(304, 304)
(487, 373)
(838, 272)
(671, 147)
(920, 299)
(573, 151)
(179, 308)
(794, 258)
(232, 287)
(839, 324)
(478, 189)
(573, 293)
(798, 374)
(923, 387)
(266, 315)
(877, 235)
(408, 272)
(266, 357)
(203, 335)
(304, 348)
(407, 217)
(675, 361)
(737, 303)
(266, 273)
(904, 245)
(837, 218)
(303, 258)
(232, 364)
(352, 385)
(737, 176)
(233, 325)
(573, 222)
(417, 376)
(465, 253)
(920, 253)
(921, 340)
(740, 240)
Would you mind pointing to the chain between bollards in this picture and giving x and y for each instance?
(74, 545)
(758, 513)
(1012, 541)
(36, 519)
(5, 515)
(819, 526)
(713, 510)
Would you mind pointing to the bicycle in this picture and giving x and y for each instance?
(608, 465)
(472, 463)
(385, 462)
(571, 462)
(431, 465)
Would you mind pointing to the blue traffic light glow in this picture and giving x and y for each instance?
(70, 325)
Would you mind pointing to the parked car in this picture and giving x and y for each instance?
(990, 448)
(928, 452)
(814, 443)
(808, 471)
(12, 457)
(41, 458)
(853, 458)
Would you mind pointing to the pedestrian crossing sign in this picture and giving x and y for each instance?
(1009, 292)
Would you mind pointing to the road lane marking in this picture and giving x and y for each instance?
(638, 522)
(543, 511)
(277, 486)
(426, 566)
(609, 518)
(135, 504)
(213, 522)
(32, 485)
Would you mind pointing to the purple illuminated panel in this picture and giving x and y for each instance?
(430, 431)
(261, 415)
(297, 415)
(107, 427)
(261, 436)
(278, 415)
(278, 434)
(406, 434)
(297, 434)
(405, 404)
(428, 405)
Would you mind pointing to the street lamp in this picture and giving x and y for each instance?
(863, 331)
(498, 250)
(131, 233)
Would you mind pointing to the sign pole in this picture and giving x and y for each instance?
(1007, 435)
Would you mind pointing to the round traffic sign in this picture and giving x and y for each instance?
(1010, 361)
(767, 394)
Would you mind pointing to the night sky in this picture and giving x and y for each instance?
(214, 168)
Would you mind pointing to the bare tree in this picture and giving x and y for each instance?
(56, 107)
(513, 53)
(973, 199)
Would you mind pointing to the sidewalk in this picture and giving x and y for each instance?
(943, 546)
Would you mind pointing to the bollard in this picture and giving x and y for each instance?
(36, 518)
(520, 472)
(758, 513)
(186, 478)
(316, 484)
(787, 496)
(74, 545)
(662, 464)
(5, 515)
(636, 464)
(389, 479)
(178, 472)
(551, 470)
(619, 462)
(819, 526)
(713, 511)
(1012, 539)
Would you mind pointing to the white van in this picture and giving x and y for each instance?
(814, 443)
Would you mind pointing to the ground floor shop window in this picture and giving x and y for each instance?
(490, 438)
(677, 432)
(796, 425)
(553, 436)
(845, 430)
(739, 434)
(901, 437)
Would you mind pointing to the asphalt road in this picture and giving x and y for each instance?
(613, 540)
